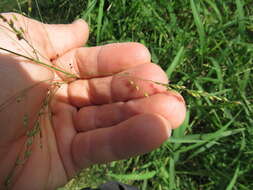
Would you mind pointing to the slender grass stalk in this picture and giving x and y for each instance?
(40, 63)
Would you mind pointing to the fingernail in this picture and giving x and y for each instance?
(176, 96)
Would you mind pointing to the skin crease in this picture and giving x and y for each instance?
(101, 117)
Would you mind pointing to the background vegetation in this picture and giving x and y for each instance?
(202, 44)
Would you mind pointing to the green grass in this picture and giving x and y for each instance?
(202, 44)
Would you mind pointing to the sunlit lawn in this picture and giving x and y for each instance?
(204, 45)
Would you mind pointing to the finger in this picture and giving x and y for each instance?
(64, 37)
(103, 60)
(170, 105)
(132, 83)
(138, 135)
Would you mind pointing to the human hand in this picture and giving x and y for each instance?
(102, 116)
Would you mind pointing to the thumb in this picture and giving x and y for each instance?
(64, 37)
(51, 39)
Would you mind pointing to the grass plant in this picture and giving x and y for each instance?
(206, 49)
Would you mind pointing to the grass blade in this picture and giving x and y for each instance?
(180, 131)
(134, 176)
(90, 7)
(218, 70)
(99, 19)
(175, 62)
(200, 27)
(240, 16)
(215, 8)
(233, 180)
(172, 184)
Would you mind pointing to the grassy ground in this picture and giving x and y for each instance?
(202, 44)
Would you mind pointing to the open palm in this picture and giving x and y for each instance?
(113, 111)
